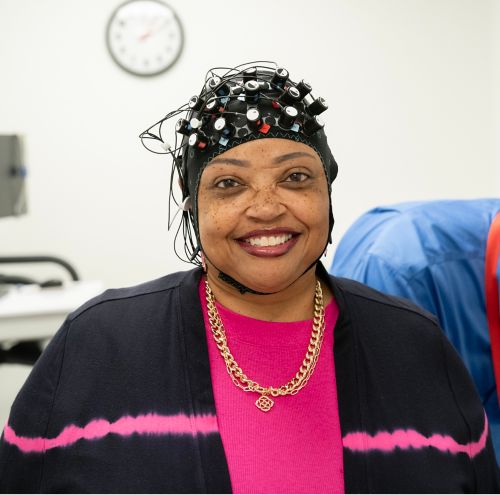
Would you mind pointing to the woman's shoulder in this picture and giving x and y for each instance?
(141, 295)
(384, 322)
(354, 293)
(128, 314)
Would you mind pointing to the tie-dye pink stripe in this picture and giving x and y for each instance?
(411, 439)
(155, 424)
(147, 424)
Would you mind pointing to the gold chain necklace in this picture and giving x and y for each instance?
(299, 381)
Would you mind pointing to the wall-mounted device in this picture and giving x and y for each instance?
(12, 176)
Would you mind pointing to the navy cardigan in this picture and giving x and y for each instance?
(121, 400)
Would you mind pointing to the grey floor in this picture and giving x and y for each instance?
(12, 377)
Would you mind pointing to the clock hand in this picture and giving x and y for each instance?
(153, 31)
(145, 36)
(149, 32)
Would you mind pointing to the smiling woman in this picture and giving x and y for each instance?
(255, 372)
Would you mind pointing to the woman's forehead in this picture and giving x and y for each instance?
(272, 150)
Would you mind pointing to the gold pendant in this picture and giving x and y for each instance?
(264, 403)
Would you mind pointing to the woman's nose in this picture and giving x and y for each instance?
(265, 205)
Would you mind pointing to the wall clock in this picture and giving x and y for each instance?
(144, 37)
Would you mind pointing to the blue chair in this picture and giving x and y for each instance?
(433, 253)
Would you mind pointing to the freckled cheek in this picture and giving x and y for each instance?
(217, 223)
(313, 211)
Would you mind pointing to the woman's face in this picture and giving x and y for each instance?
(263, 212)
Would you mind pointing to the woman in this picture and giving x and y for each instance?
(257, 372)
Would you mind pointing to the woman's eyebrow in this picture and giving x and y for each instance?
(278, 159)
(291, 156)
(231, 161)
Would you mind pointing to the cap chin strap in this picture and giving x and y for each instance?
(239, 286)
(242, 289)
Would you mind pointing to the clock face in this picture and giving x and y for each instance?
(144, 37)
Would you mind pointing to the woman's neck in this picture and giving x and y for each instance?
(294, 303)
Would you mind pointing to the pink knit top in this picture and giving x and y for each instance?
(296, 447)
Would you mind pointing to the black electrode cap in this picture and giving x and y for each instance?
(287, 117)
(304, 88)
(195, 123)
(318, 106)
(251, 88)
(215, 85)
(223, 90)
(195, 103)
(220, 124)
(212, 83)
(280, 77)
(250, 74)
(198, 140)
(290, 96)
(212, 105)
(251, 91)
(253, 119)
(236, 90)
(313, 125)
(182, 127)
(223, 128)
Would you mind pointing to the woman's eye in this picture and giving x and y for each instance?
(226, 183)
(297, 177)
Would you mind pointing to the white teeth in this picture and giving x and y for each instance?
(269, 240)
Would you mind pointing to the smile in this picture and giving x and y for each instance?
(268, 244)
(269, 240)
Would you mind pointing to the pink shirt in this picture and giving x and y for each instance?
(296, 447)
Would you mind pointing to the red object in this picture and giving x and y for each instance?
(275, 105)
(265, 128)
(491, 289)
(202, 145)
(221, 109)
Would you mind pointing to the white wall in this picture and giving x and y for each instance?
(495, 40)
(409, 82)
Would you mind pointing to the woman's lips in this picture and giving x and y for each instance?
(279, 242)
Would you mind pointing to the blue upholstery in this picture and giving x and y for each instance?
(432, 253)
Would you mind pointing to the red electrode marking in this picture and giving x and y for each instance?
(491, 289)
(202, 145)
(275, 105)
(265, 128)
(221, 109)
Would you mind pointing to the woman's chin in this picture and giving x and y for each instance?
(266, 285)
